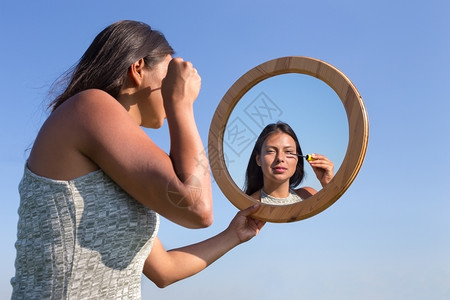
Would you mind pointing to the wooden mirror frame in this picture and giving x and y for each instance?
(356, 150)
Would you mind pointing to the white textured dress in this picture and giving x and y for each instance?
(80, 239)
(291, 199)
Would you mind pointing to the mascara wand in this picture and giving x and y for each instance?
(308, 157)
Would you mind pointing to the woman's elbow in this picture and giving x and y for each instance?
(204, 216)
(159, 281)
(195, 205)
(162, 284)
(201, 207)
(207, 220)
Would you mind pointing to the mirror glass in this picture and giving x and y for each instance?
(307, 104)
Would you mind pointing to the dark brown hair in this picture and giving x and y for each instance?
(105, 63)
(254, 180)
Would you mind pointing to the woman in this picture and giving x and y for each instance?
(94, 182)
(276, 164)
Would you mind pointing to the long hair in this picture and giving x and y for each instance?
(254, 180)
(105, 63)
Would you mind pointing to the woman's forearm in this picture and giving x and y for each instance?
(191, 187)
(166, 267)
(181, 263)
(190, 164)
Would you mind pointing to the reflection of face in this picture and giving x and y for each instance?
(151, 107)
(277, 162)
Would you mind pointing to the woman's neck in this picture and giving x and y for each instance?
(277, 190)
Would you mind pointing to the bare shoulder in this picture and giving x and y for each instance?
(256, 195)
(76, 126)
(101, 122)
(91, 102)
(94, 114)
(305, 192)
(90, 118)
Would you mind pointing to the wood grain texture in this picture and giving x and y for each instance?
(356, 150)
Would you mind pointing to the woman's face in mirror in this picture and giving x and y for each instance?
(307, 104)
(277, 160)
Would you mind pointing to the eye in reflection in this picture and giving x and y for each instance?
(276, 167)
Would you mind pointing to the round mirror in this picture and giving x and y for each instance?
(321, 105)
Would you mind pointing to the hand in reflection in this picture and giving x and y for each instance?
(244, 226)
(323, 168)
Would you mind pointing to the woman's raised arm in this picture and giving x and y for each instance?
(176, 186)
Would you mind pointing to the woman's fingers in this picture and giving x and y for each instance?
(182, 82)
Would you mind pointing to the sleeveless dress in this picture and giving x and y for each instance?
(291, 199)
(80, 239)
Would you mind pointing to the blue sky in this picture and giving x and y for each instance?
(386, 238)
